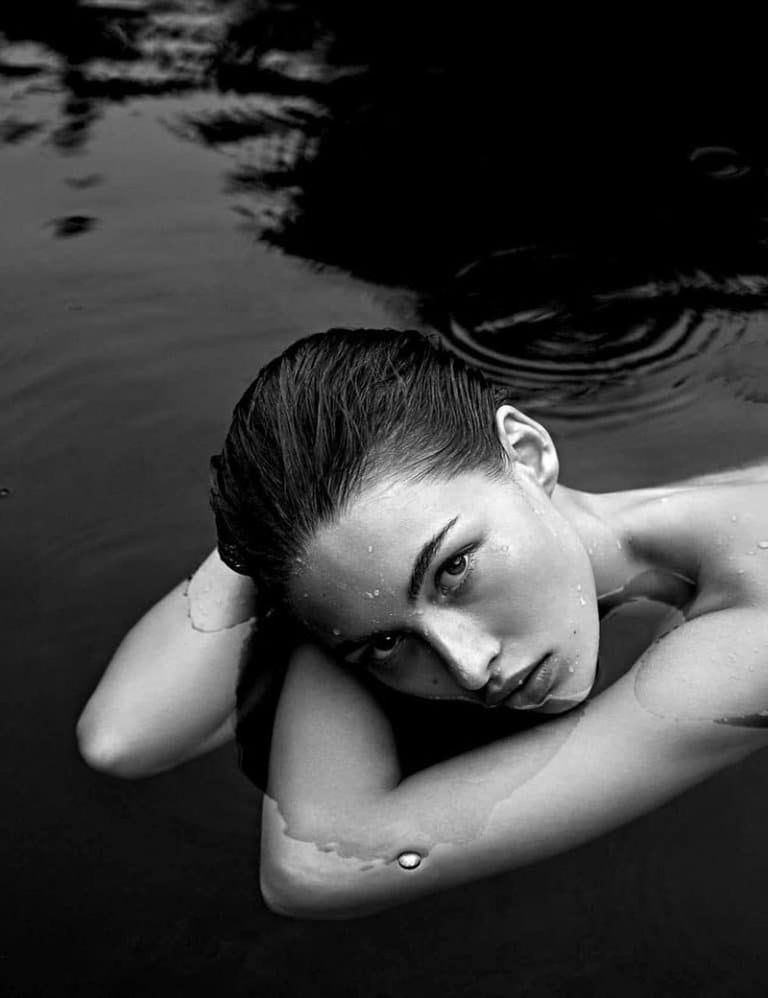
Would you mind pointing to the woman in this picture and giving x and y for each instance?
(390, 514)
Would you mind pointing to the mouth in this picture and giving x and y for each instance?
(522, 685)
(534, 691)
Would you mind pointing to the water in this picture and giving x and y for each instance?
(167, 173)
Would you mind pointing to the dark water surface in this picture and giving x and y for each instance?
(167, 172)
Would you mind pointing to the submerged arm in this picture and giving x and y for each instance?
(339, 822)
(168, 693)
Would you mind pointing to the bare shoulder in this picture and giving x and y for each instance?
(715, 534)
(711, 669)
(218, 597)
(746, 474)
(729, 526)
(713, 666)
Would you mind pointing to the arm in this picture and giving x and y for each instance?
(338, 815)
(168, 693)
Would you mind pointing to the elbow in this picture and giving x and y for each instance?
(105, 751)
(306, 877)
(311, 890)
(303, 891)
(278, 895)
(290, 894)
(290, 879)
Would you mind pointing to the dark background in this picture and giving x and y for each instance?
(574, 197)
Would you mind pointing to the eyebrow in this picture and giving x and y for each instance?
(424, 559)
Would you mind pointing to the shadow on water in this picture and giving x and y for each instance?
(577, 206)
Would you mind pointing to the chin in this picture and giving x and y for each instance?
(571, 695)
(561, 705)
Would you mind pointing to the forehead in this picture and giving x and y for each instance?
(356, 570)
(401, 515)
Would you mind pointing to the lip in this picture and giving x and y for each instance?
(517, 684)
(535, 688)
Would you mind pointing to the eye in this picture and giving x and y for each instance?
(382, 647)
(453, 573)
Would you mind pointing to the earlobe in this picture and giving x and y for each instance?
(528, 445)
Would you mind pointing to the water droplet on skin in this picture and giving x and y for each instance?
(409, 860)
(763, 545)
(377, 592)
(368, 595)
(578, 588)
(571, 669)
(305, 595)
(336, 632)
(370, 549)
(740, 571)
(734, 519)
(582, 601)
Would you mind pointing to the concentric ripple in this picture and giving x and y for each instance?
(587, 337)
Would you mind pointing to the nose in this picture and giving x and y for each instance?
(468, 652)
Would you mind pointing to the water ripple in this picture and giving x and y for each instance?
(585, 338)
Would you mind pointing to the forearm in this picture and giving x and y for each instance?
(485, 812)
(332, 841)
(168, 693)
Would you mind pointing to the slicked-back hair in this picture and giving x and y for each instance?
(333, 413)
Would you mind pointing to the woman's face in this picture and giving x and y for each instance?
(460, 588)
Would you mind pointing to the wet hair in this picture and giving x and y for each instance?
(333, 413)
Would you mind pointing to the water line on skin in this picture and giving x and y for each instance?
(723, 701)
(531, 753)
(370, 846)
(650, 584)
(222, 616)
(649, 684)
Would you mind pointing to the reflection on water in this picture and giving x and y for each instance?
(92, 53)
(557, 216)
(576, 337)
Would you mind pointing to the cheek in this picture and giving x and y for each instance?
(525, 583)
(418, 671)
(543, 588)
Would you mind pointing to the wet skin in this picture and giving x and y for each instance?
(509, 586)
(541, 559)
(208, 610)
(466, 586)
(519, 578)
(718, 537)
(431, 824)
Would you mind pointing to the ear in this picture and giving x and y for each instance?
(529, 446)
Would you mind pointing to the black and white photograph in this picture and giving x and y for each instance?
(383, 499)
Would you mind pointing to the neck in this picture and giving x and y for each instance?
(604, 533)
